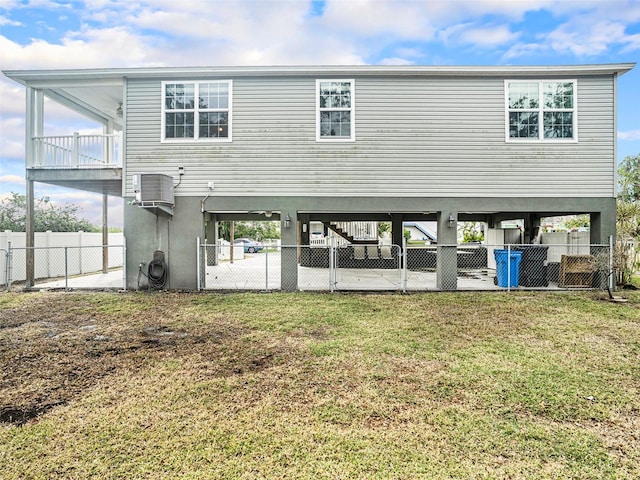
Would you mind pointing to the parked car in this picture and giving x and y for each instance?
(316, 235)
(250, 245)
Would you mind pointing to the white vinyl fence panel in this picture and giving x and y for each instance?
(83, 253)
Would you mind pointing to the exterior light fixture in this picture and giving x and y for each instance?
(287, 221)
(119, 110)
(450, 221)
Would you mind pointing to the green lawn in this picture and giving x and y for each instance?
(319, 386)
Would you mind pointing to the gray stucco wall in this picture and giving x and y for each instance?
(147, 231)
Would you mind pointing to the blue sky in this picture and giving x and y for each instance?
(42, 34)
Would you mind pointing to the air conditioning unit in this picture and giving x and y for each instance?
(153, 189)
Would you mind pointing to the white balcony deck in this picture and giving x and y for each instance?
(77, 151)
(84, 162)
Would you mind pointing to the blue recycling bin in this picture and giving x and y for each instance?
(507, 274)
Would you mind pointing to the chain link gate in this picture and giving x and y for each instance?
(319, 268)
(367, 267)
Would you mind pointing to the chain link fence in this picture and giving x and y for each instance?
(69, 268)
(334, 268)
(414, 268)
(4, 269)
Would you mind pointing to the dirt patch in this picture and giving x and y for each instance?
(56, 346)
(20, 417)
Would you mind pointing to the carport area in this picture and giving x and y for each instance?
(360, 261)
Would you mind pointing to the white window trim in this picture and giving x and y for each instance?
(196, 118)
(352, 110)
(541, 110)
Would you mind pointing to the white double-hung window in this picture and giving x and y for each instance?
(544, 110)
(335, 118)
(196, 111)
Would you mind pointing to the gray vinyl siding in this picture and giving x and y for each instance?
(415, 137)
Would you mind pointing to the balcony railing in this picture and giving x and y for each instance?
(77, 151)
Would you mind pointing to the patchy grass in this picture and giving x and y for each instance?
(449, 385)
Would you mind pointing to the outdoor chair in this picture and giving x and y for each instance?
(358, 252)
(385, 251)
(372, 252)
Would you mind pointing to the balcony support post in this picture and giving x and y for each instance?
(105, 234)
(30, 240)
(34, 127)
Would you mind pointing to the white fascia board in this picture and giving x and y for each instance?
(50, 77)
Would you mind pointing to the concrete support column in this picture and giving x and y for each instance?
(397, 232)
(289, 254)
(211, 229)
(535, 228)
(527, 234)
(603, 224)
(447, 261)
(531, 227)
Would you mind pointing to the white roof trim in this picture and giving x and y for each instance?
(100, 75)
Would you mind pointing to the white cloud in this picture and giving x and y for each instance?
(11, 97)
(586, 38)
(489, 36)
(594, 28)
(165, 32)
(91, 48)
(12, 138)
(632, 43)
(419, 19)
(9, 4)
(5, 179)
(479, 36)
(5, 21)
(523, 50)
(629, 135)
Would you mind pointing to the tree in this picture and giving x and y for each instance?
(629, 179)
(258, 230)
(383, 227)
(47, 216)
(472, 232)
(574, 222)
(628, 229)
(627, 219)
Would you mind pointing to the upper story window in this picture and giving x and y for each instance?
(335, 110)
(541, 110)
(196, 111)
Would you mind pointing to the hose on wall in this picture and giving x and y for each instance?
(157, 272)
